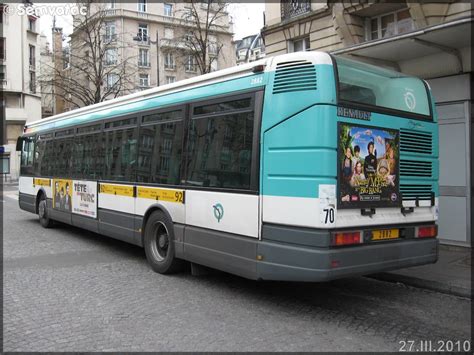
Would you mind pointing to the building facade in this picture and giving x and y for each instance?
(147, 38)
(46, 64)
(19, 66)
(431, 40)
(249, 49)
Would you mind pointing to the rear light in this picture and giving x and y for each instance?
(346, 238)
(427, 231)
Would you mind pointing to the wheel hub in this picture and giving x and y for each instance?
(163, 241)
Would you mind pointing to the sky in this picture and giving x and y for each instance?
(247, 18)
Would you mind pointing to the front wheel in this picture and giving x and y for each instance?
(159, 244)
(44, 219)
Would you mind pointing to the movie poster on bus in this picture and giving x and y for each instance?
(62, 194)
(368, 164)
(84, 198)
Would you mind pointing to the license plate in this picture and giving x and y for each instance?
(384, 234)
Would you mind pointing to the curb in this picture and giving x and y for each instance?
(423, 283)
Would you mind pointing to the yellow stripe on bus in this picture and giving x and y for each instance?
(41, 182)
(161, 194)
(120, 190)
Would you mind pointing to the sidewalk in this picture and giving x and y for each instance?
(451, 274)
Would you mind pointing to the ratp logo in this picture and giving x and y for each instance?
(410, 100)
(218, 212)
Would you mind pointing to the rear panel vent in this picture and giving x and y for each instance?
(416, 168)
(296, 75)
(416, 142)
(416, 192)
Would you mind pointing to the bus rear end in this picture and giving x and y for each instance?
(349, 176)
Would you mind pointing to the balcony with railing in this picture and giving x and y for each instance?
(294, 8)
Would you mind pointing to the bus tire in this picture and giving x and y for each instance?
(159, 244)
(44, 219)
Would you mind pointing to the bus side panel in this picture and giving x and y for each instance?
(116, 209)
(227, 212)
(28, 190)
(299, 158)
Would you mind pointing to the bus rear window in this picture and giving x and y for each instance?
(377, 88)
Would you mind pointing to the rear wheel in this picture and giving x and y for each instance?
(159, 244)
(44, 219)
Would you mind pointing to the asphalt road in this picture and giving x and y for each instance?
(66, 289)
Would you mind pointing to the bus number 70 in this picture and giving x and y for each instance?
(329, 215)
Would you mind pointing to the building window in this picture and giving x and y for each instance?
(213, 64)
(170, 79)
(143, 32)
(390, 24)
(144, 80)
(188, 14)
(110, 31)
(168, 9)
(169, 61)
(142, 5)
(2, 12)
(32, 82)
(32, 56)
(293, 8)
(143, 57)
(31, 24)
(110, 5)
(3, 72)
(3, 49)
(169, 32)
(212, 44)
(189, 36)
(300, 45)
(190, 64)
(111, 56)
(112, 80)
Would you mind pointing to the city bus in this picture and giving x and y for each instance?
(300, 167)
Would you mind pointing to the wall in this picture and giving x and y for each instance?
(452, 95)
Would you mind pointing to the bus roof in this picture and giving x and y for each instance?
(269, 64)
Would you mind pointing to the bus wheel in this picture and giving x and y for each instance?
(159, 244)
(44, 219)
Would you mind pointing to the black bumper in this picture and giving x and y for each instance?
(296, 262)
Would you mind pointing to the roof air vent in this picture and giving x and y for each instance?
(298, 75)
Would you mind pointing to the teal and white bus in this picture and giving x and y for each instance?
(303, 167)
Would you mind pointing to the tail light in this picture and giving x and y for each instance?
(346, 238)
(427, 231)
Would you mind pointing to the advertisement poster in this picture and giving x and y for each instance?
(368, 160)
(84, 198)
(62, 193)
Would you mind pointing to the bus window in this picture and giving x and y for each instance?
(46, 167)
(63, 150)
(120, 155)
(88, 156)
(159, 152)
(27, 156)
(39, 153)
(220, 150)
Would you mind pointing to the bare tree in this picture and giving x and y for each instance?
(201, 22)
(97, 69)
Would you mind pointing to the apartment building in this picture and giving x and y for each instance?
(249, 49)
(429, 39)
(19, 66)
(46, 70)
(147, 37)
